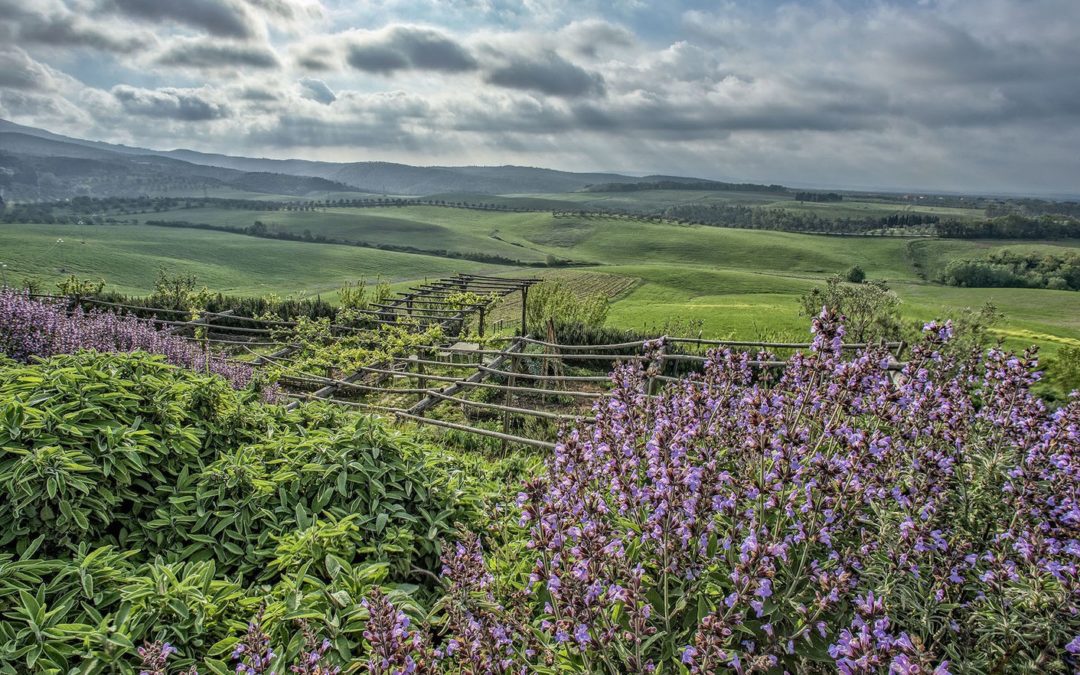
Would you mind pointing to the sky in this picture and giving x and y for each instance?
(944, 95)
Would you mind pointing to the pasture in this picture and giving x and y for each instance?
(128, 257)
(727, 282)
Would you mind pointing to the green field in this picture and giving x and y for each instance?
(646, 200)
(532, 237)
(736, 283)
(128, 257)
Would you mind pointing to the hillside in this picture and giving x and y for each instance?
(370, 176)
(34, 167)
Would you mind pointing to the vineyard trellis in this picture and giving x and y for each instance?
(525, 379)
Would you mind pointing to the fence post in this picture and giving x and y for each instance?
(524, 309)
(508, 400)
(421, 382)
(656, 368)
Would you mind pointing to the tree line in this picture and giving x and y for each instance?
(710, 185)
(1007, 269)
(1011, 227)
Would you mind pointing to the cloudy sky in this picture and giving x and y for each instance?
(930, 94)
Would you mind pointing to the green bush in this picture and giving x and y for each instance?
(93, 443)
(140, 501)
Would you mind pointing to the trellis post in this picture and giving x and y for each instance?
(509, 399)
(657, 366)
(524, 309)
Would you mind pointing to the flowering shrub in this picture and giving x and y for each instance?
(30, 327)
(835, 515)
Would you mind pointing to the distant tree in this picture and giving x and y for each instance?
(557, 302)
(1064, 370)
(871, 309)
(855, 275)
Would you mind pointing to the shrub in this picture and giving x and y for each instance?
(31, 328)
(870, 309)
(555, 301)
(1064, 369)
(141, 501)
(830, 516)
(855, 275)
(90, 440)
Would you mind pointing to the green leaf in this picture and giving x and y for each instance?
(222, 646)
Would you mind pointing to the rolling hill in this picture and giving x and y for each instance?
(35, 167)
(368, 176)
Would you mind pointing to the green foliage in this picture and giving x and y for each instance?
(357, 295)
(464, 300)
(871, 309)
(178, 291)
(354, 295)
(1022, 270)
(324, 353)
(139, 501)
(381, 499)
(75, 287)
(855, 275)
(1064, 369)
(1012, 226)
(88, 439)
(556, 301)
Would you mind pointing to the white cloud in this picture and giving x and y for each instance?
(928, 94)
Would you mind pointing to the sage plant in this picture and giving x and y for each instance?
(31, 327)
(839, 511)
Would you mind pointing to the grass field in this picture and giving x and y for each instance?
(648, 200)
(128, 257)
(532, 237)
(422, 227)
(736, 283)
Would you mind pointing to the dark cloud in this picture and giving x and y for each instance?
(316, 90)
(548, 73)
(225, 18)
(19, 71)
(215, 54)
(185, 105)
(57, 26)
(950, 54)
(408, 48)
(591, 37)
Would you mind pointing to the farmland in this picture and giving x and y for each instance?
(734, 282)
(128, 257)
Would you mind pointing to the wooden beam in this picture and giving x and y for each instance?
(474, 430)
(430, 401)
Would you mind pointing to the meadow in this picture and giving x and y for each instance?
(128, 257)
(851, 206)
(730, 282)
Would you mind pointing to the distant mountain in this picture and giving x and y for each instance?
(377, 177)
(34, 167)
(404, 179)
